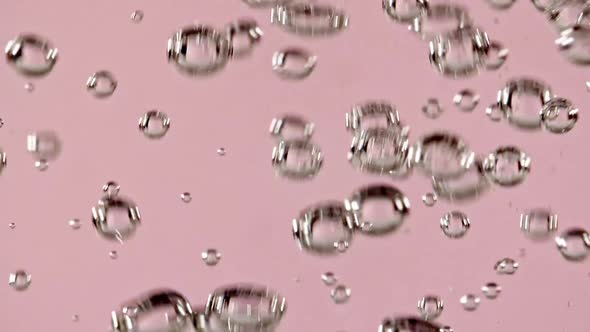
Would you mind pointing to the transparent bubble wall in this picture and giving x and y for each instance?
(172, 103)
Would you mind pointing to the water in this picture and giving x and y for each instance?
(432, 109)
(455, 224)
(494, 112)
(137, 16)
(430, 307)
(113, 254)
(75, 223)
(41, 165)
(221, 151)
(329, 278)
(506, 266)
(340, 294)
(186, 197)
(470, 302)
(19, 280)
(574, 244)
(211, 257)
(491, 290)
(429, 199)
(466, 100)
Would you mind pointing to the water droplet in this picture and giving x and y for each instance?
(74, 223)
(75, 318)
(341, 245)
(12, 225)
(494, 112)
(154, 124)
(470, 302)
(430, 307)
(113, 254)
(329, 278)
(29, 87)
(44, 145)
(466, 100)
(186, 197)
(111, 189)
(101, 84)
(432, 109)
(506, 266)
(137, 16)
(491, 290)
(41, 165)
(221, 151)
(538, 224)
(211, 257)
(507, 166)
(455, 224)
(574, 244)
(340, 294)
(19, 280)
(429, 199)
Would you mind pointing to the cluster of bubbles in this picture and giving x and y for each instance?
(240, 307)
(340, 293)
(545, 110)
(327, 228)
(458, 48)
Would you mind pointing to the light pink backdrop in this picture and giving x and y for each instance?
(238, 206)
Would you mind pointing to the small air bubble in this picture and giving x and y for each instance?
(12, 225)
(113, 254)
(30, 87)
(211, 257)
(186, 197)
(221, 151)
(41, 165)
(137, 16)
(74, 223)
(19, 280)
(340, 294)
(329, 278)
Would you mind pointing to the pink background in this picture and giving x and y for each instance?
(238, 205)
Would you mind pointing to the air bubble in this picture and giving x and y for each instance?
(470, 302)
(75, 318)
(432, 109)
(466, 100)
(491, 290)
(137, 16)
(329, 278)
(538, 224)
(211, 257)
(341, 246)
(1, 123)
(506, 266)
(574, 244)
(113, 254)
(186, 197)
(12, 225)
(340, 294)
(19, 280)
(154, 124)
(29, 87)
(101, 84)
(74, 223)
(429, 199)
(221, 151)
(41, 165)
(494, 112)
(455, 224)
(430, 307)
(111, 189)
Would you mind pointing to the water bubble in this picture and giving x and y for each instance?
(111, 189)
(340, 294)
(429, 199)
(455, 224)
(507, 166)
(101, 84)
(31, 55)
(29, 87)
(574, 244)
(496, 55)
(154, 124)
(491, 290)
(74, 223)
(12, 225)
(75, 318)
(211, 257)
(559, 115)
(1, 123)
(221, 151)
(137, 16)
(19, 280)
(538, 224)
(41, 165)
(341, 245)
(466, 100)
(506, 266)
(329, 278)
(470, 302)
(430, 307)
(186, 197)
(432, 109)
(113, 254)
(494, 112)
(446, 329)
(44, 145)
